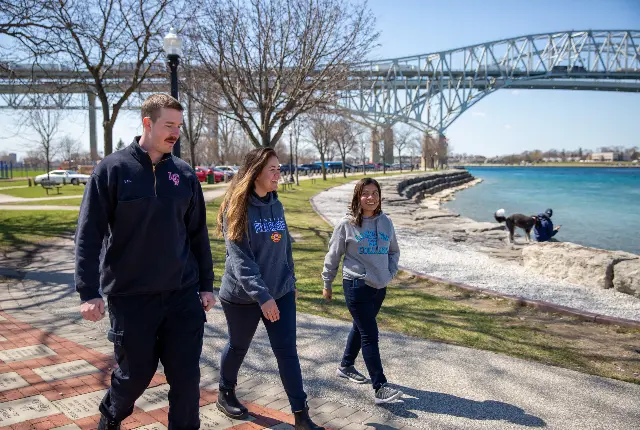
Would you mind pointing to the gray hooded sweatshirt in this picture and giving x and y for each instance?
(370, 252)
(259, 267)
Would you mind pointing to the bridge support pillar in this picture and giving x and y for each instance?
(375, 145)
(93, 132)
(387, 136)
(434, 151)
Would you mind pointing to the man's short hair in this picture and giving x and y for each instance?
(154, 103)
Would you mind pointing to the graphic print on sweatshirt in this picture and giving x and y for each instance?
(372, 242)
(270, 226)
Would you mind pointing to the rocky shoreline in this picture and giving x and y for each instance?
(441, 244)
(424, 211)
(415, 203)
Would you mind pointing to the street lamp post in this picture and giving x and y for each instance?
(173, 49)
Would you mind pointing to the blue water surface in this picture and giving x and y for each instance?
(597, 207)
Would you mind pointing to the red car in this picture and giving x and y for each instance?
(202, 172)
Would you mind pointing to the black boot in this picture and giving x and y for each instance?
(229, 405)
(106, 424)
(303, 421)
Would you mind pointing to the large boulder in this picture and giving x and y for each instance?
(626, 277)
(573, 263)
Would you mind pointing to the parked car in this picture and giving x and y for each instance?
(229, 169)
(63, 177)
(202, 172)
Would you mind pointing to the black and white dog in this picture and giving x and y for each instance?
(516, 220)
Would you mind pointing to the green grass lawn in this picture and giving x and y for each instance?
(72, 201)
(38, 191)
(413, 306)
(20, 228)
(6, 184)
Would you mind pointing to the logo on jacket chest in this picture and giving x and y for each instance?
(276, 237)
(175, 178)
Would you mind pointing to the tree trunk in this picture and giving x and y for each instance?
(344, 167)
(108, 130)
(322, 165)
(400, 157)
(297, 179)
(48, 166)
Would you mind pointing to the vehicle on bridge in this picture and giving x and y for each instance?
(63, 177)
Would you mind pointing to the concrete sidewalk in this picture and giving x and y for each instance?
(446, 387)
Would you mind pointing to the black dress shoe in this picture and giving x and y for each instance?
(303, 421)
(229, 405)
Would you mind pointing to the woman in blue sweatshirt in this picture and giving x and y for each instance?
(259, 282)
(367, 240)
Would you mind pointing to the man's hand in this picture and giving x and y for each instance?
(327, 294)
(207, 299)
(92, 310)
(557, 227)
(271, 311)
(295, 291)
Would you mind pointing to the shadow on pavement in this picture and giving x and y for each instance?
(447, 404)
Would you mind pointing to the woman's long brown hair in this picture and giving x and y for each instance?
(356, 209)
(236, 200)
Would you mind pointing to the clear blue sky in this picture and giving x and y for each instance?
(506, 121)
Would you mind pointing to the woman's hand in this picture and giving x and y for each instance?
(270, 310)
(326, 294)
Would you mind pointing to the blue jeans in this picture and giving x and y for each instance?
(364, 303)
(242, 322)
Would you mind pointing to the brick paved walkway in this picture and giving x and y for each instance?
(49, 382)
(54, 373)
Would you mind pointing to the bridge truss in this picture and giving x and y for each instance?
(431, 91)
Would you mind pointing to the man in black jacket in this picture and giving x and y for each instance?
(142, 237)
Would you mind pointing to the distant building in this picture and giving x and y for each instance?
(11, 158)
(606, 156)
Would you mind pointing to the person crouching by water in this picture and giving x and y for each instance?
(367, 240)
(544, 229)
(259, 282)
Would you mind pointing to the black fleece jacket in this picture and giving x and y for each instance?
(142, 228)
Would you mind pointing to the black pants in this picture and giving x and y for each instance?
(364, 303)
(146, 328)
(242, 321)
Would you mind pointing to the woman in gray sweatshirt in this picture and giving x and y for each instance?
(367, 240)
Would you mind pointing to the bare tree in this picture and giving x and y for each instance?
(18, 16)
(193, 126)
(195, 87)
(114, 43)
(296, 129)
(402, 141)
(46, 124)
(321, 128)
(345, 134)
(272, 60)
(363, 146)
(69, 148)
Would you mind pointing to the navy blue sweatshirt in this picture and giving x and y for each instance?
(259, 267)
(142, 228)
